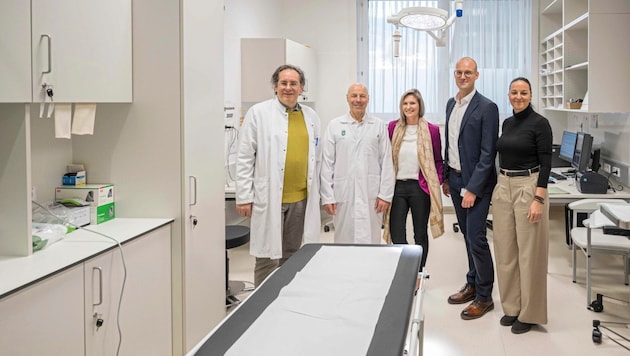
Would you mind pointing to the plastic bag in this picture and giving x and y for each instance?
(46, 234)
(49, 225)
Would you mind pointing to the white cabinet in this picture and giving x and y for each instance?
(15, 61)
(45, 318)
(579, 54)
(160, 151)
(145, 309)
(259, 59)
(58, 315)
(82, 48)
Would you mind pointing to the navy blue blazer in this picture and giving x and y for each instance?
(477, 144)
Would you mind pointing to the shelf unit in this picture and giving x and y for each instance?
(578, 57)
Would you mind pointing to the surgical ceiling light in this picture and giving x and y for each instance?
(427, 19)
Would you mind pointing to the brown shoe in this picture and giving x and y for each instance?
(477, 309)
(465, 295)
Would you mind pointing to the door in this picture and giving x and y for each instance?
(145, 307)
(45, 318)
(15, 61)
(82, 48)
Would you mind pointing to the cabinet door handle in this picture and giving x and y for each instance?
(49, 41)
(193, 190)
(100, 285)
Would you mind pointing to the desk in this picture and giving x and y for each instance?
(302, 309)
(567, 192)
(570, 192)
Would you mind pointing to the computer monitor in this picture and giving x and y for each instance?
(567, 146)
(595, 160)
(582, 151)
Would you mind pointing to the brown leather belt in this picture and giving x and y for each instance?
(458, 171)
(521, 173)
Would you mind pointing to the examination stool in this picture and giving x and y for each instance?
(235, 236)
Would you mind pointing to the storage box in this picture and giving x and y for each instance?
(573, 105)
(77, 178)
(99, 197)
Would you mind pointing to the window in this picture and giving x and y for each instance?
(496, 33)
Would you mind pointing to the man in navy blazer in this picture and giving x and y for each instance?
(472, 129)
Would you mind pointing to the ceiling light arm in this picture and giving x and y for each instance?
(439, 36)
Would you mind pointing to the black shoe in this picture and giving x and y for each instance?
(507, 320)
(520, 327)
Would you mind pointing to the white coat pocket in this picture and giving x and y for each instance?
(261, 193)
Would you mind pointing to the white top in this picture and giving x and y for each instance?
(18, 272)
(408, 167)
(454, 126)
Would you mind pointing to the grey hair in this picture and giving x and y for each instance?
(276, 75)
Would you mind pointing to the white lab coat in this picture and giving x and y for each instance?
(357, 169)
(260, 161)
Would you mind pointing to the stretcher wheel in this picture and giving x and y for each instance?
(597, 306)
(597, 336)
(326, 228)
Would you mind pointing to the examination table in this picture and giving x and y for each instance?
(329, 299)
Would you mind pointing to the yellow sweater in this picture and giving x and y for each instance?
(296, 164)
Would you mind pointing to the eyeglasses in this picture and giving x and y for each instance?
(467, 74)
(284, 84)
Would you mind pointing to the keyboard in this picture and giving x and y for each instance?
(557, 176)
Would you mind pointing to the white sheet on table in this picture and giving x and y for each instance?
(330, 308)
(597, 219)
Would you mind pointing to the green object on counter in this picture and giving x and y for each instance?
(38, 243)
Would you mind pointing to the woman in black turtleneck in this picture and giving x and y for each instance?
(521, 212)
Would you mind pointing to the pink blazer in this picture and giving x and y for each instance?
(434, 130)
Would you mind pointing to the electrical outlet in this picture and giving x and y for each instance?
(616, 171)
(606, 167)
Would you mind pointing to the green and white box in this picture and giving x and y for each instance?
(100, 198)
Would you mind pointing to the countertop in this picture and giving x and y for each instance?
(76, 247)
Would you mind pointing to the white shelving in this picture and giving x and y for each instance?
(578, 56)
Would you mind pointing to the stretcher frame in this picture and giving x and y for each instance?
(394, 332)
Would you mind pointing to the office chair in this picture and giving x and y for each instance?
(591, 240)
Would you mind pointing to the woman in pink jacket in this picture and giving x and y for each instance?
(417, 156)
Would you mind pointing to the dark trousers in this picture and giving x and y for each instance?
(409, 195)
(472, 223)
(292, 230)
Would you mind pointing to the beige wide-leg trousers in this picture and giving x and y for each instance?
(521, 249)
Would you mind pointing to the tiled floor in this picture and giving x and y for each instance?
(570, 324)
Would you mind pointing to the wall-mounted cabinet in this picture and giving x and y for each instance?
(80, 48)
(259, 59)
(579, 58)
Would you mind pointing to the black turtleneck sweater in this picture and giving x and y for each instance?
(525, 143)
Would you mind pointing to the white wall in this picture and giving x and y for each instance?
(328, 26)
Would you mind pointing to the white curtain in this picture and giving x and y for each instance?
(496, 33)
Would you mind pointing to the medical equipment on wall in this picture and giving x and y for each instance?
(428, 19)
